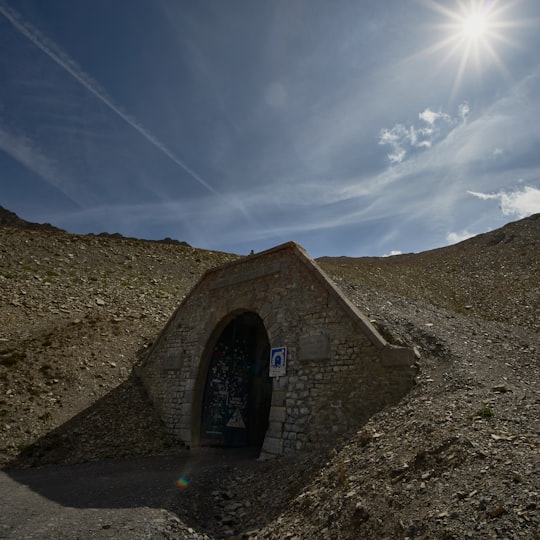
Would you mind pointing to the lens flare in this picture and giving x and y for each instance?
(182, 482)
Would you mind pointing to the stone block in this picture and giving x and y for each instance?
(275, 429)
(273, 445)
(277, 414)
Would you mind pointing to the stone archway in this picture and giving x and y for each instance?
(237, 391)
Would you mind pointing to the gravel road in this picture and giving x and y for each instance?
(129, 498)
(193, 494)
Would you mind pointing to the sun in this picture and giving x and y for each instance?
(475, 26)
(472, 32)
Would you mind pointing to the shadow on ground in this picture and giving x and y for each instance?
(121, 423)
(115, 455)
(154, 481)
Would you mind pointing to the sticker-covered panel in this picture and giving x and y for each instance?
(226, 395)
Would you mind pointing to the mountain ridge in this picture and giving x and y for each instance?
(11, 219)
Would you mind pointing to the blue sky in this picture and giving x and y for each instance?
(352, 127)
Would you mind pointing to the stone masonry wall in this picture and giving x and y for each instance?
(339, 370)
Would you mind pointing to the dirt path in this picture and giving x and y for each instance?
(132, 498)
(197, 494)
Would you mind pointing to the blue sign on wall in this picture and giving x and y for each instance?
(278, 361)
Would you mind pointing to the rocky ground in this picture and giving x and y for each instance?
(458, 458)
(76, 312)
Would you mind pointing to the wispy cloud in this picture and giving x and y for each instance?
(27, 152)
(65, 62)
(520, 202)
(302, 152)
(432, 186)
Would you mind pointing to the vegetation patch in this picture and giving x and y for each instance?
(485, 411)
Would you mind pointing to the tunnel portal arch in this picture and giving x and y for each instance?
(234, 390)
(339, 370)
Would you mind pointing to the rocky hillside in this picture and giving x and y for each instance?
(493, 276)
(76, 311)
(458, 458)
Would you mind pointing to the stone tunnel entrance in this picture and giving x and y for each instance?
(207, 373)
(238, 390)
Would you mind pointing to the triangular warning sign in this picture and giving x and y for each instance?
(236, 420)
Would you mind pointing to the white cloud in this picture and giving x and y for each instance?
(430, 117)
(520, 203)
(455, 237)
(401, 138)
(396, 138)
(397, 156)
(463, 110)
(392, 253)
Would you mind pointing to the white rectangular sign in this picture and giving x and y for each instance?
(278, 361)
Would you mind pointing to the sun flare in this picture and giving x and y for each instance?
(471, 34)
(473, 28)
